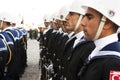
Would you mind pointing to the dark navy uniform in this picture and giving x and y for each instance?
(15, 38)
(40, 39)
(54, 45)
(76, 58)
(25, 37)
(60, 40)
(24, 41)
(44, 53)
(67, 51)
(4, 57)
(21, 50)
(105, 66)
(59, 56)
(11, 68)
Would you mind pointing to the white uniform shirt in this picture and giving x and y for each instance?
(78, 36)
(100, 43)
(70, 35)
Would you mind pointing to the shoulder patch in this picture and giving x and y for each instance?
(114, 75)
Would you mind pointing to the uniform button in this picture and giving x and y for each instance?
(59, 67)
(47, 49)
(42, 58)
(57, 59)
(65, 78)
(54, 54)
(68, 58)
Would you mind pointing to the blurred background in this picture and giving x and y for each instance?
(32, 11)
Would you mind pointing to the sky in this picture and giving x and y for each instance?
(32, 10)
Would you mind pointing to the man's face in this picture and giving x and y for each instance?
(90, 23)
(72, 19)
(46, 24)
(58, 23)
(64, 26)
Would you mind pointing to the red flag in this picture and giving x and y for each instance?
(114, 75)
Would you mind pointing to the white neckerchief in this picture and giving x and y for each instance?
(70, 35)
(65, 33)
(100, 43)
(49, 27)
(45, 31)
(54, 31)
(11, 28)
(60, 30)
(78, 36)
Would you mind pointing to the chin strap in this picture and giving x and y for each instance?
(102, 23)
(10, 52)
(1, 24)
(78, 23)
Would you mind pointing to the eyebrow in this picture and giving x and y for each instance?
(88, 14)
(71, 12)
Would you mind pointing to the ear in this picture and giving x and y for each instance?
(108, 25)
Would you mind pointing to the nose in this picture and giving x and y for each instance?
(67, 17)
(83, 22)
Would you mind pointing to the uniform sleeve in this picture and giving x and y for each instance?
(111, 69)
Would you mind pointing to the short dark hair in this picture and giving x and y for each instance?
(115, 26)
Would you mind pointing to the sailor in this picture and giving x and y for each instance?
(100, 25)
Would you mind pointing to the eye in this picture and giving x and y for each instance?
(71, 13)
(89, 16)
